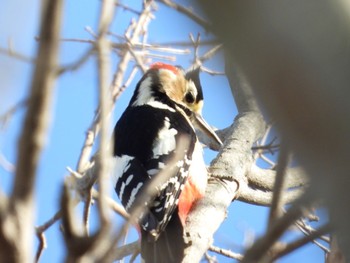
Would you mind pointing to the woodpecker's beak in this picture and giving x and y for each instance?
(201, 124)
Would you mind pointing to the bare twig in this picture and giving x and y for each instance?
(263, 140)
(209, 54)
(5, 164)
(195, 42)
(306, 230)
(4, 117)
(166, 47)
(41, 246)
(270, 147)
(117, 208)
(209, 258)
(302, 241)
(49, 223)
(187, 43)
(279, 187)
(14, 54)
(91, 31)
(75, 243)
(126, 84)
(75, 65)
(86, 212)
(79, 40)
(162, 48)
(116, 87)
(126, 250)
(186, 11)
(136, 56)
(159, 56)
(127, 8)
(40, 233)
(225, 252)
(262, 245)
(212, 72)
(268, 161)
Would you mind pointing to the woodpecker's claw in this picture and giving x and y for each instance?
(201, 124)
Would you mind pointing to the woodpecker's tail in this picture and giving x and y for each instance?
(170, 245)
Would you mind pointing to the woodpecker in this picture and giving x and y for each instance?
(165, 108)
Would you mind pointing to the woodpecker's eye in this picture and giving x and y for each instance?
(189, 97)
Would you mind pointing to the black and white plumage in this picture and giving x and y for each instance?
(146, 138)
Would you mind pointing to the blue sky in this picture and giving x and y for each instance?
(75, 101)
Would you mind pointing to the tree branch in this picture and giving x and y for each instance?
(264, 179)
(186, 11)
(262, 245)
(16, 233)
(289, 52)
(301, 242)
(258, 197)
(231, 164)
(14, 54)
(226, 253)
(279, 187)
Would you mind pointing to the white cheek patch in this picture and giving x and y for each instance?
(159, 105)
(145, 94)
(166, 141)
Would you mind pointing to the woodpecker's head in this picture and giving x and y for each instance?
(164, 82)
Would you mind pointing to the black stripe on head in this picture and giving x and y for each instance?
(193, 74)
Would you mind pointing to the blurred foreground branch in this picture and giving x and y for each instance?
(290, 52)
(16, 214)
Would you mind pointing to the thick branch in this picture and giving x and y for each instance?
(241, 89)
(199, 229)
(265, 178)
(17, 222)
(103, 63)
(258, 197)
(95, 247)
(232, 162)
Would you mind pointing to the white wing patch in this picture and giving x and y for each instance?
(120, 165)
(165, 142)
(133, 195)
(153, 172)
(128, 180)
